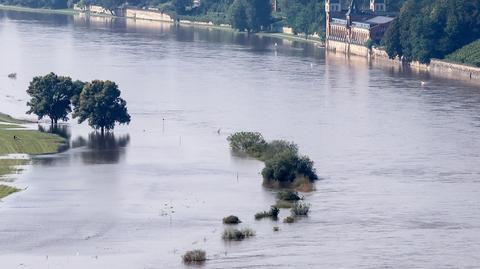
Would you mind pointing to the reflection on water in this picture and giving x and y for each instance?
(62, 130)
(95, 148)
(102, 149)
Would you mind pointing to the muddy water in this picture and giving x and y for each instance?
(399, 161)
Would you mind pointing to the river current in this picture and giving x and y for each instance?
(399, 159)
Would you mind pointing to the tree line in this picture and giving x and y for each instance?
(98, 102)
(429, 29)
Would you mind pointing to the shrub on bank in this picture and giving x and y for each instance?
(272, 213)
(237, 235)
(231, 220)
(194, 256)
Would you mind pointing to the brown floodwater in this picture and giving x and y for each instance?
(399, 161)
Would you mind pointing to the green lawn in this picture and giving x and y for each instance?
(16, 139)
(7, 190)
(27, 141)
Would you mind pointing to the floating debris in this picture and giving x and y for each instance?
(12, 75)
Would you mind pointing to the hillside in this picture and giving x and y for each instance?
(469, 54)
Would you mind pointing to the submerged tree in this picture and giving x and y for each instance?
(100, 104)
(51, 96)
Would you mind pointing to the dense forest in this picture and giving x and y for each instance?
(429, 29)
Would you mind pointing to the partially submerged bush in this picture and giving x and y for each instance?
(272, 213)
(288, 195)
(278, 146)
(287, 166)
(283, 166)
(237, 235)
(231, 220)
(283, 204)
(251, 143)
(289, 219)
(300, 209)
(194, 256)
(276, 229)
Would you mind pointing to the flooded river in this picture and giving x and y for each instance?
(399, 161)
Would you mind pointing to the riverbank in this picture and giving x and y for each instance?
(284, 36)
(16, 139)
(39, 10)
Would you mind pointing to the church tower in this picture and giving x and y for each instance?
(378, 5)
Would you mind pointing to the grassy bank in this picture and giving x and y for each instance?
(39, 10)
(7, 190)
(16, 139)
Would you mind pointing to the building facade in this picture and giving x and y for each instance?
(352, 29)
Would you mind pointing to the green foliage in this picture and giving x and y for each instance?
(238, 15)
(50, 96)
(276, 147)
(288, 195)
(231, 220)
(194, 256)
(250, 15)
(287, 166)
(429, 29)
(181, 5)
(300, 209)
(469, 54)
(282, 162)
(251, 143)
(100, 104)
(305, 16)
(272, 213)
(237, 235)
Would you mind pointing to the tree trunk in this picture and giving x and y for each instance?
(103, 130)
(51, 121)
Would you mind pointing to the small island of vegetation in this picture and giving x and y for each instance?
(284, 167)
(55, 97)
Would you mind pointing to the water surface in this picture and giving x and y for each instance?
(399, 162)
